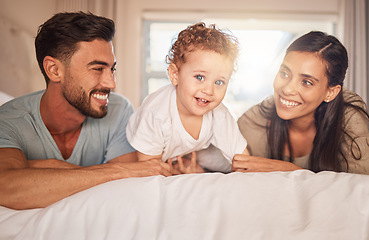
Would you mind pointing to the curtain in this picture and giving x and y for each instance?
(367, 44)
(355, 40)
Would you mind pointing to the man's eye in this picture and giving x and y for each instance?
(113, 69)
(98, 69)
(199, 77)
(219, 82)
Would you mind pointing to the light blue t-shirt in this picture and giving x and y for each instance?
(100, 139)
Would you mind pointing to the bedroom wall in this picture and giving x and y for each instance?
(28, 15)
(19, 20)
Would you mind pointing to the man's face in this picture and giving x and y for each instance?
(89, 78)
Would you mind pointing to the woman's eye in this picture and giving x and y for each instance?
(219, 82)
(199, 77)
(283, 74)
(307, 82)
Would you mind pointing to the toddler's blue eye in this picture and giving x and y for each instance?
(219, 82)
(199, 77)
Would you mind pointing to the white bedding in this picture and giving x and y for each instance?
(296, 205)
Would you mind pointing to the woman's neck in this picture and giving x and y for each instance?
(304, 124)
(301, 133)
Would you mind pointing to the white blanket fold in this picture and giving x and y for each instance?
(278, 205)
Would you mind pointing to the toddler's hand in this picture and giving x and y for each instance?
(186, 165)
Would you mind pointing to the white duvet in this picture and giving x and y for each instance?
(279, 205)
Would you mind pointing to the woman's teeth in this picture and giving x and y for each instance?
(289, 103)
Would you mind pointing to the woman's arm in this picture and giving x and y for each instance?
(245, 163)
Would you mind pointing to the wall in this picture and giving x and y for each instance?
(19, 20)
(27, 14)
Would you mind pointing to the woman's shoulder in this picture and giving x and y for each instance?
(258, 113)
(255, 120)
(355, 107)
(352, 98)
(253, 124)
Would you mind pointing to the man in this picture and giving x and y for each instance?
(53, 142)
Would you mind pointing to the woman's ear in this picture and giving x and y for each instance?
(173, 74)
(332, 93)
(53, 68)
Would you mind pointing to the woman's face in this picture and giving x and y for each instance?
(300, 86)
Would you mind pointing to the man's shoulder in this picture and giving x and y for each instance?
(118, 99)
(119, 104)
(27, 104)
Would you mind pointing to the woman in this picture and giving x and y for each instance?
(311, 122)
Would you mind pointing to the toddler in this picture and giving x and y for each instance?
(188, 115)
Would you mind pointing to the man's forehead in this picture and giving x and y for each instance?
(95, 52)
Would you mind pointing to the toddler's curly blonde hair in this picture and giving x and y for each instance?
(200, 37)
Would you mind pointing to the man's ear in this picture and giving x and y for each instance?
(332, 93)
(173, 74)
(53, 68)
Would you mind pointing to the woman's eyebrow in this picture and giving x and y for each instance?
(285, 66)
(309, 76)
(301, 74)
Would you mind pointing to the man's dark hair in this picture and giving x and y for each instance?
(59, 36)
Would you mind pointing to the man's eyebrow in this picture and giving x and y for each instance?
(96, 62)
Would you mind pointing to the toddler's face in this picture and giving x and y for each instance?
(201, 81)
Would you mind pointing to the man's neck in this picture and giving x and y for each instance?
(58, 115)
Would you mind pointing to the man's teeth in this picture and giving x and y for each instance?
(288, 103)
(99, 96)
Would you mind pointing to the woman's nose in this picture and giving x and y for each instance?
(289, 88)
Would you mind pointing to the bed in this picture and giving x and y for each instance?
(277, 205)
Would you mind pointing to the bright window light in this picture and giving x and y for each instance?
(262, 47)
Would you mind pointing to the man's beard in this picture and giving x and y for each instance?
(78, 98)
